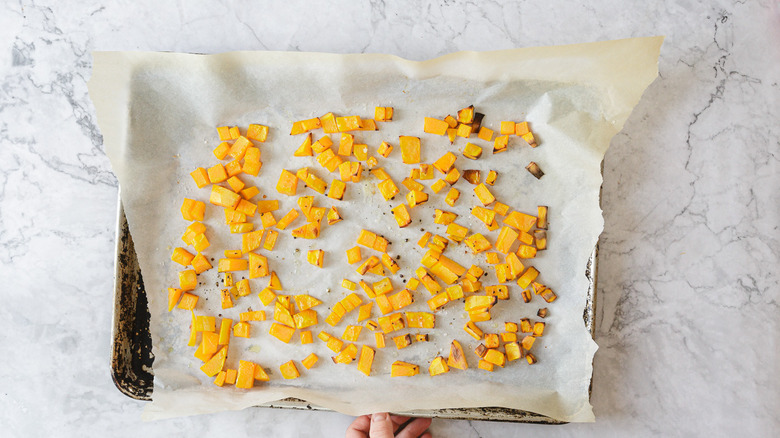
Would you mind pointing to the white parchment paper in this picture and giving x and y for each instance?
(158, 113)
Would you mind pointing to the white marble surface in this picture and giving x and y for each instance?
(688, 292)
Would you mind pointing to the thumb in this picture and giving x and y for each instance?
(381, 426)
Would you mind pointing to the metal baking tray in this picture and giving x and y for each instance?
(131, 349)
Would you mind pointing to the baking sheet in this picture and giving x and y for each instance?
(158, 112)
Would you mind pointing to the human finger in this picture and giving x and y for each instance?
(415, 428)
(381, 426)
(359, 428)
(398, 420)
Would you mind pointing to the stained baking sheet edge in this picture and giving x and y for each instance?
(131, 349)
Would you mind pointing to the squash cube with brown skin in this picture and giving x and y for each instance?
(415, 198)
(473, 330)
(472, 176)
(457, 359)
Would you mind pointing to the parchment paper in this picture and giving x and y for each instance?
(158, 113)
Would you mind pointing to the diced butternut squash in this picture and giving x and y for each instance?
(289, 370)
(246, 375)
(410, 149)
(435, 126)
(282, 332)
(310, 360)
(403, 369)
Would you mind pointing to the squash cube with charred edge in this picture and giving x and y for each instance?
(333, 216)
(402, 341)
(500, 144)
(472, 176)
(525, 325)
(445, 162)
(538, 329)
(473, 330)
(457, 232)
(384, 149)
(480, 302)
(347, 355)
(391, 323)
(388, 189)
(535, 170)
(401, 215)
(526, 295)
(380, 340)
(549, 295)
(542, 313)
(540, 238)
(480, 350)
(421, 337)
(390, 263)
(438, 366)
(337, 189)
(315, 257)
(308, 231)
(528, 342)
(501, 292)
(403, 369)
(492, 340)
(472, 151)
(457, 359)
(416, 197)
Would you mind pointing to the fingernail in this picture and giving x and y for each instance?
(383, 416)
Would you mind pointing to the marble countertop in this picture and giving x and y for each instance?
(688, 317)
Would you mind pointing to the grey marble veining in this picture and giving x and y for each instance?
(688, 314)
